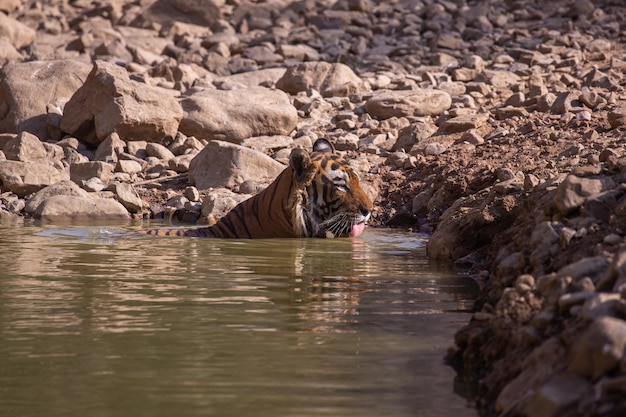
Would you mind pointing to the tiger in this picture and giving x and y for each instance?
(317, 195)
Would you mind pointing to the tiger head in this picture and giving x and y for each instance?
(331, 202)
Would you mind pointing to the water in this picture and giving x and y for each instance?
(94, 322)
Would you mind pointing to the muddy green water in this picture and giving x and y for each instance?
(94, 322)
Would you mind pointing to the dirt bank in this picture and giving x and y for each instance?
(499, 127)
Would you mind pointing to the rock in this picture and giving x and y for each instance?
(128, 166)
(463, 123)
(110, 148)
(109, 101)
(63, 208)
(573, 191)
(268, 144)
(220, 201)
(599, 348)
(127, 195)
(192, 193)
(137, 148)
(592, 267)
(402, 103)
(65, 188)
(501, 80)
(8, 6)
(617, 117)
(559, 395)
(263, 77)
(23, 178)
(84, 171)
(600, 305)
(538, 367)
(600, 206)
(225, 165)
(181, 163)
(524, 283)
(159, 151)
(327, 78)
(93, 185)
(615, 276)
(237, 114)
(199, 12)
(562, 103)
(28, 88)
(434, 148)
(18, 34)
(26, 147)
(8, 52)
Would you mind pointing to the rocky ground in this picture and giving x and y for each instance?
(496, 126)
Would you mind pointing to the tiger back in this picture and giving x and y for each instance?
(317, 195)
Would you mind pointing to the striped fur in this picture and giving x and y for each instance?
(317, 195)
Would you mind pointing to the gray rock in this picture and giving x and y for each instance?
(263, 77)
(109, 101)
(237, 114)
(86, 170)
(600, 305)
(192, 194)
(181, 163)
(66, 188)
(324, 77)
(414, 134)
(93, 185)
(573, 191)
(8, 52)
(268, 144)
(402, 103)
(225, 165)
(593, 267)
(18, 34)
(23, 178)
(220, 201)
(63, 208)
(26, 147)
(560, 394)
(110, 148)
(599, 348)
(199, 12)
(128, 166)
(159, 151)
(617, 117)
(28, 88)
(127, 195)
(463, 123)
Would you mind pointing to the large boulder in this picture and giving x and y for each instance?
(28, 88)
(235, 115)
(26, 147)
(63, 208)
(110, 101)
(63, 188)
(224, 164)
(23, 178)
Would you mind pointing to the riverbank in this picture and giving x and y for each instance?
(497, 128)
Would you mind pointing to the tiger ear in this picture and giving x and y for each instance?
(302, 166)
(324, 146)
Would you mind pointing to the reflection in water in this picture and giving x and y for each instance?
(96, 322)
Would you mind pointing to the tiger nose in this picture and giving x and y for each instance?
(365, 211)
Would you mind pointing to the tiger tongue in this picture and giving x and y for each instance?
(357, 229)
